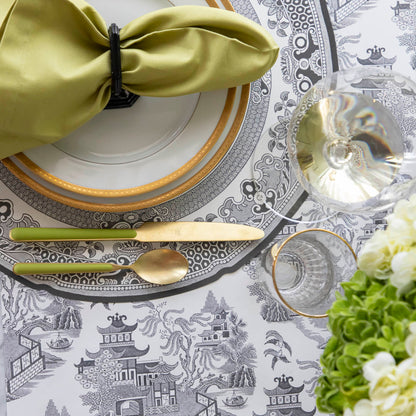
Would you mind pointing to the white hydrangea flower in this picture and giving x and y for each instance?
(390, 253)
(375, 256)
(401, 233)
(406, 208)
(403, 266)
(410, 342)
(379, 366)
(363, 407)
(392, 387)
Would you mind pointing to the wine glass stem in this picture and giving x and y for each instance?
(338, 152)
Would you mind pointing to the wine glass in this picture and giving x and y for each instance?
(350, 140)
(307, 268)
(349, 144)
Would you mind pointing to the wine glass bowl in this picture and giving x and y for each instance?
(349, 141)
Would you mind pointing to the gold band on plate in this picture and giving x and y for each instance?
(146, 203)
(275, 250)
(128, 206)
(151, 186)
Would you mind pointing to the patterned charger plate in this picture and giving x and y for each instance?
(227, 192)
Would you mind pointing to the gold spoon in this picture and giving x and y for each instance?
(161, 266)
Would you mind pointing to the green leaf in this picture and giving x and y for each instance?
(390, 292)
(375, 288)
(331, 346)
(383, 344)
(369, 318)
(347, 365)
(337, 401)
(369, 346)
(357, 392)
(352, 350)
(399, 330)
(387, 332)
(399, 350)
(357, 283)
(362, 315)
(410, 296)
(399, 310)
(371, 330)
(376, 302)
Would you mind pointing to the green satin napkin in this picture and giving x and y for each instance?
(55, 71)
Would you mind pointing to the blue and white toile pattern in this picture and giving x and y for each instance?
(227, 347)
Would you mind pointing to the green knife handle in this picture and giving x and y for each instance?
(54, 268)
(67, 234)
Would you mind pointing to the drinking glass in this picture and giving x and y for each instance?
(307, 269)
(350, 143)
(350, 140)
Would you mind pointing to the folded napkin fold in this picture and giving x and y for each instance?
(55, 64)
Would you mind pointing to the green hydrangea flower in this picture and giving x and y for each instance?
(369, 318)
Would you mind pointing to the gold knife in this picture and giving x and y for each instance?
(148, 232)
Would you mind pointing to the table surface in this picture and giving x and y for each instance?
(225, 334)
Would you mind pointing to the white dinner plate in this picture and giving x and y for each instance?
(139, 156)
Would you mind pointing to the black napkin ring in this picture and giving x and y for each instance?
(120, 98)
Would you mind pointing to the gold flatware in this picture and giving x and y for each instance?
(148, 232)
(161, 266)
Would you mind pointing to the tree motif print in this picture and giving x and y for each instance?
(345, 58)
(281, 348)
(51, 410)
(240, 356)
(211, 304)
(342, 224)
(18, 303)
(313, 381)
(64, 412)
(406, 22)
(232, 355)
(100, 380)
(409, 40)
(271, 309)
(400, 102)
(69, 317)
(177, 334)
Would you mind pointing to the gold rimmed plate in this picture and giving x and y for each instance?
(141, 156)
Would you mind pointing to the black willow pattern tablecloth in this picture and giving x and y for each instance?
(221, 344)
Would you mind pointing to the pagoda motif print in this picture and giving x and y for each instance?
(218, 332)
(284, 399)
(25, 360)
(152, 386)
(379, 222)
(376, 60)
(400, 8)
(340, 9)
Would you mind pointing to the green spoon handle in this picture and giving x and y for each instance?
(68, 234)
(54, 268)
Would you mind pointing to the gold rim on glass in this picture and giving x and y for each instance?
(275, 251)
